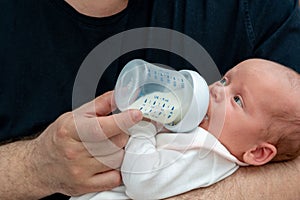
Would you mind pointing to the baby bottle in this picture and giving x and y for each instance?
(177, 99)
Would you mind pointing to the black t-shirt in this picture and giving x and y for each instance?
(44, 42)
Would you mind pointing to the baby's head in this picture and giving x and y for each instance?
(255, 112)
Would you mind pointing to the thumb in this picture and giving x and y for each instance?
(127, 119)
(135, 115)
(120, 123)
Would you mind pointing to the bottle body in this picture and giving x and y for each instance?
(163, 95)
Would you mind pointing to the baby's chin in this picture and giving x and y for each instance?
(205, 123)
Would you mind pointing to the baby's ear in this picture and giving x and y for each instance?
(260, 154)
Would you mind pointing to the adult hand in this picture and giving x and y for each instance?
(83, 148)
(78, 153)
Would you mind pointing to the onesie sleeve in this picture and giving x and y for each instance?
(152, 172)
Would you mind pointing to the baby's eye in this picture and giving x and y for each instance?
(238, 100)
(223, 81)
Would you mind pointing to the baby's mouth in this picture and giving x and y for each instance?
(207, 115)
(205, 122)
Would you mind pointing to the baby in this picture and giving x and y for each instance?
(262, 117)
(253, 118)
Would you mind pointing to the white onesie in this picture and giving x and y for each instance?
(158, 166)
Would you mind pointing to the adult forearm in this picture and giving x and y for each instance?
(274, 181)
(17, 172)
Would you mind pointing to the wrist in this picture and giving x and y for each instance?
(19, 173)
(38, 177)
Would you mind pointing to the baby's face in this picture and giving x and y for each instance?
(240, 104)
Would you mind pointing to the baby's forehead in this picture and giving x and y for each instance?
(259, 65)
(259, 69)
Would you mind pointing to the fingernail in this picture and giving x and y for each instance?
(137, 115)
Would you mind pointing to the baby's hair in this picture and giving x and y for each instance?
(288, 144)
(286, 123)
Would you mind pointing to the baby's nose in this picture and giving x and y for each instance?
(217, 92)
